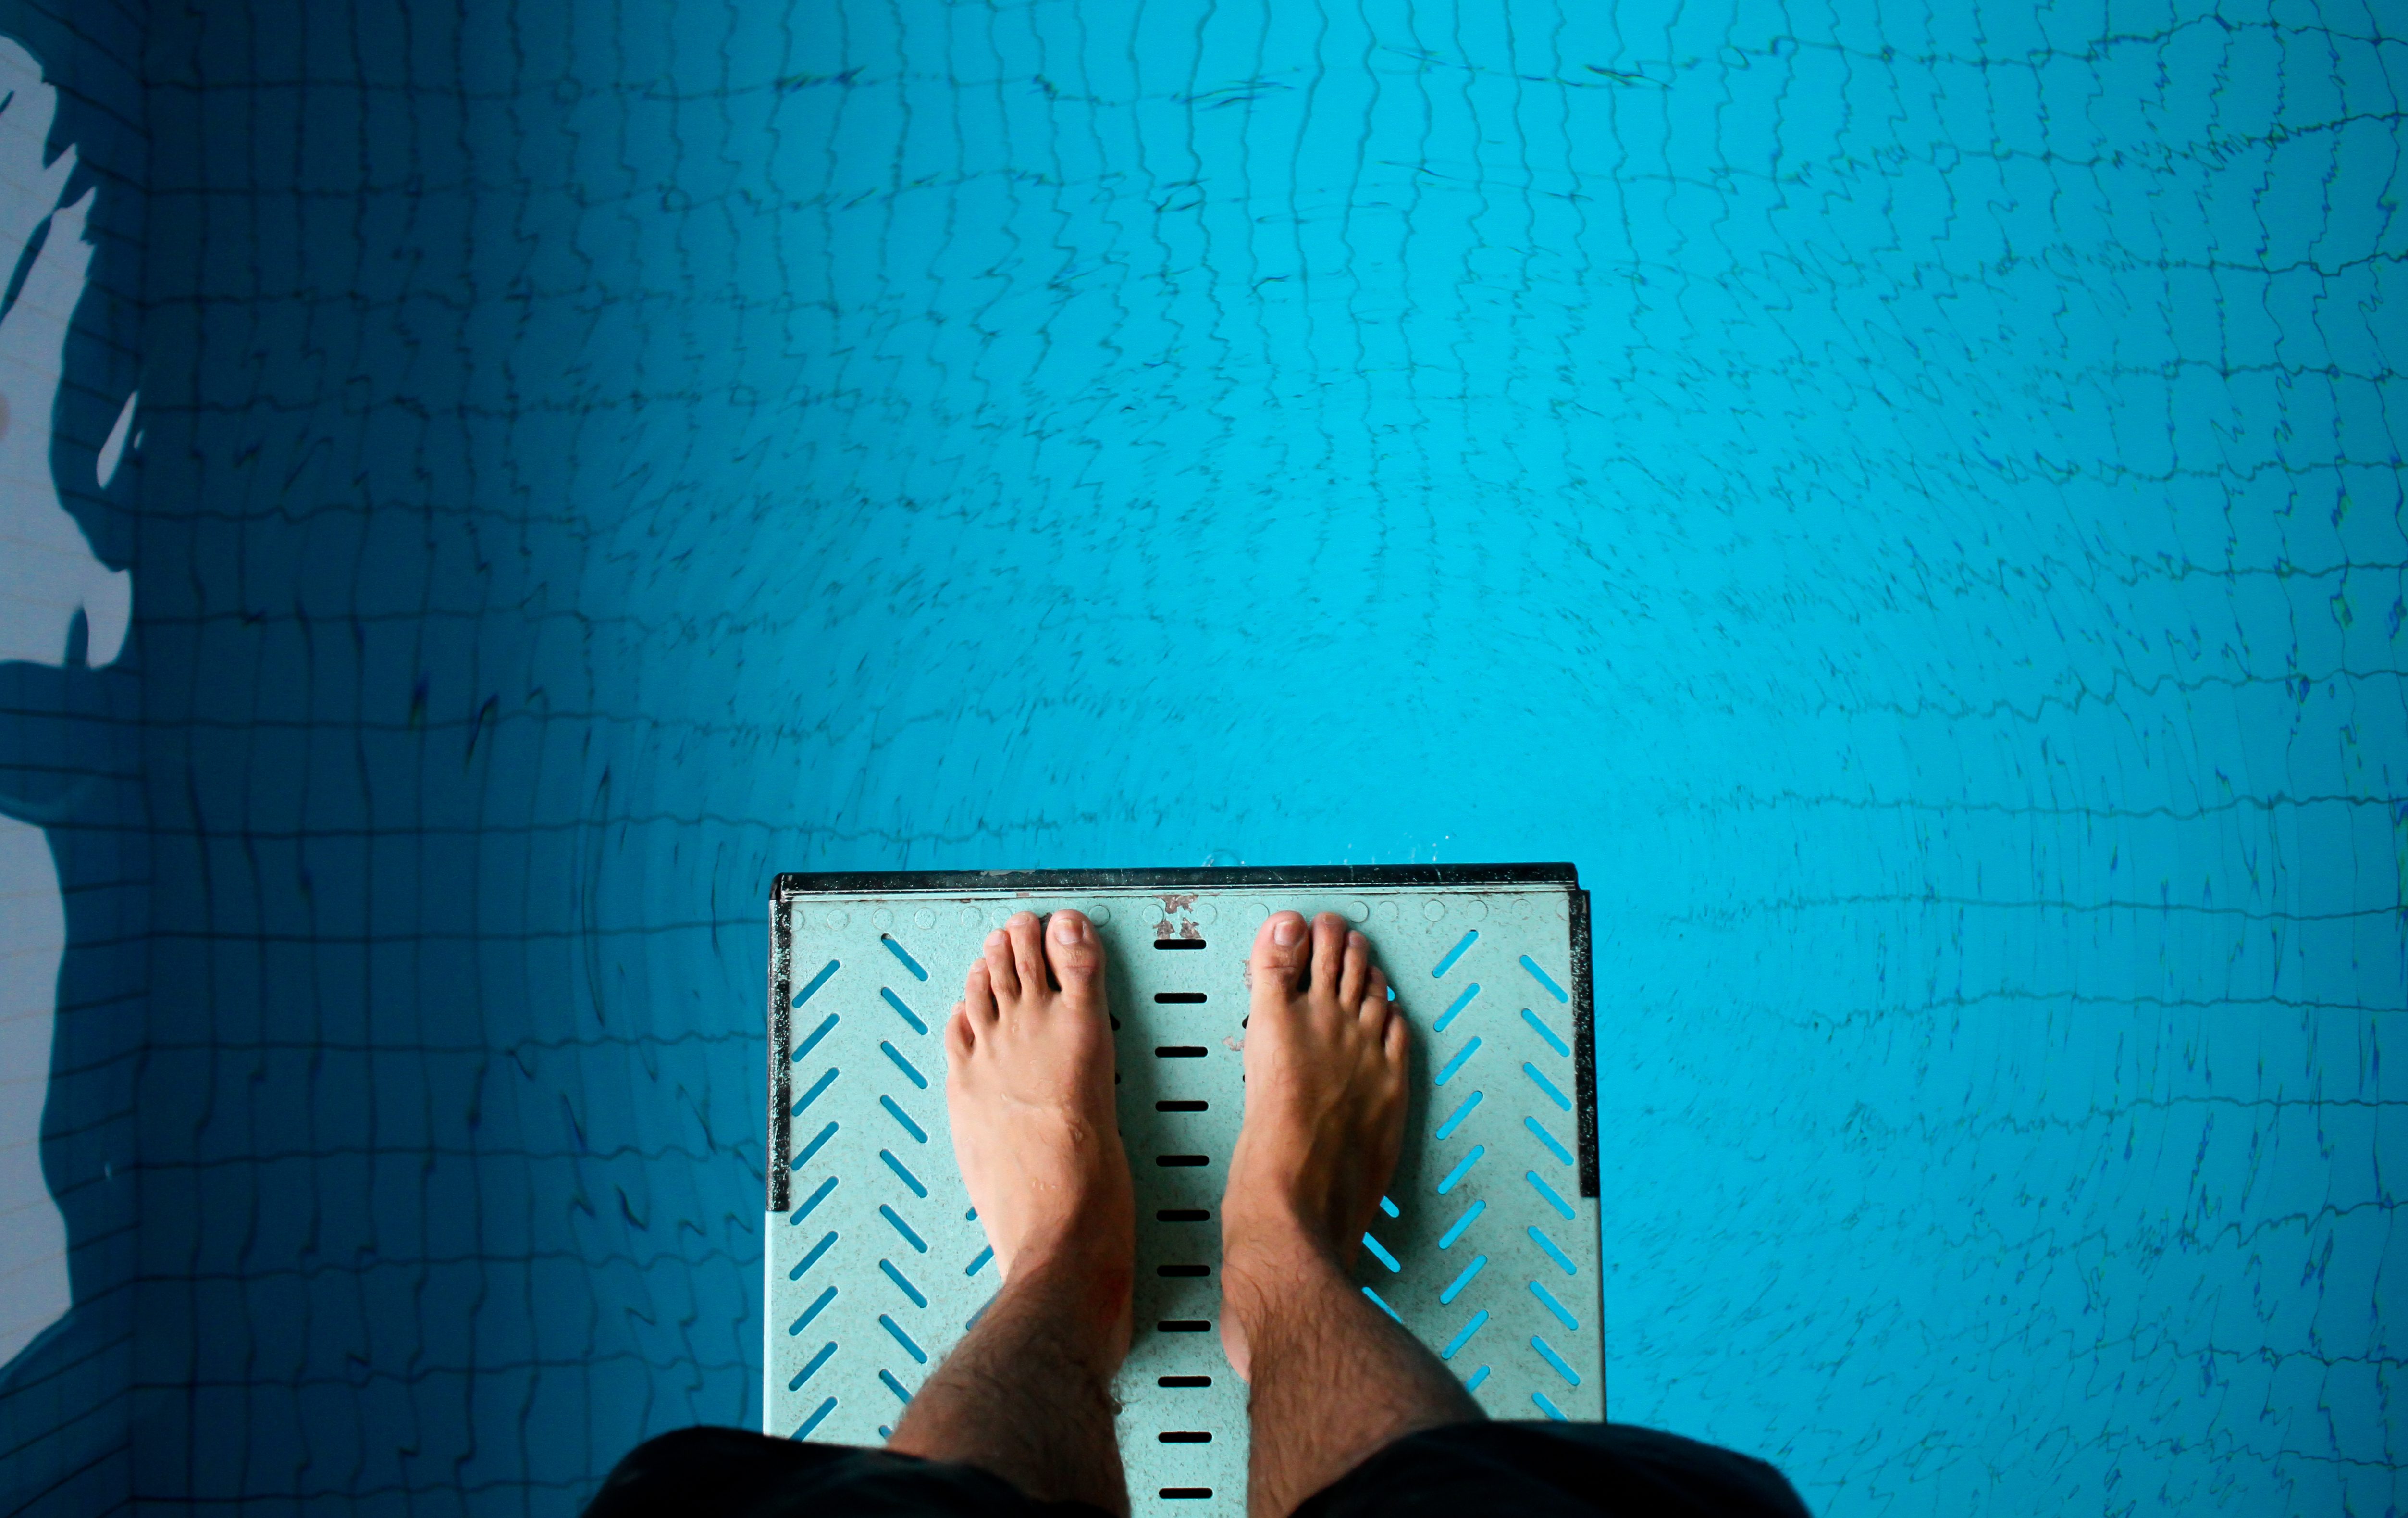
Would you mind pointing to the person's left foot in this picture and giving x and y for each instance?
(1325, 1114)
(1028, 1086)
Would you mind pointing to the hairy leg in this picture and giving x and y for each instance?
(1333, 1379)
(1028, 1086)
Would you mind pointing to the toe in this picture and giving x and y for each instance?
(1000, 972)
(1075, 953)
(1399, 1040)
(1375, 1003)
(1280, 952)
(1350, 970)
(958, 1035)
(1328, 951)
(978, 995)
(1028, 937)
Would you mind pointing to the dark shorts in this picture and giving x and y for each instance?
(1542, 1469)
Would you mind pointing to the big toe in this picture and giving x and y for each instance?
(1075, 953)
(1283, 949)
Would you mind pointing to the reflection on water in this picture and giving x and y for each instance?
(58, 605)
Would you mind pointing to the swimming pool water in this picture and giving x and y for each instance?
(1906, 497)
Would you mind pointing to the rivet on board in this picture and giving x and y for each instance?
(884, 919)
(972, 917)
(1358, 909)
(1000, 915)
(1206, 913)
(1433, 909)
(1389, 910)
(1100, 913)
(923, 918)
(1475, 907)
(1261, 910)
(837, 917)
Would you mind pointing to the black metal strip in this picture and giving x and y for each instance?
(782, 1041)
(1584, 1042)
(892, 882)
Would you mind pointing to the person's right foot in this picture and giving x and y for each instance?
(1028, 1088)
(1324, 1061)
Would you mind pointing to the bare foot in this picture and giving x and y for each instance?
(1030, 1089)
(1028, 1083)
(1324, 1112)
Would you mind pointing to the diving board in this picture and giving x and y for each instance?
(875, 1266)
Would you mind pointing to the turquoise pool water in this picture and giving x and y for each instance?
(1906, 499)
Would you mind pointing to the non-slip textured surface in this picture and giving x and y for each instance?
(875, 1264)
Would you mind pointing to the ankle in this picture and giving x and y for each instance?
(1085, 1291)
(1279, 1227)
(1273, 1265)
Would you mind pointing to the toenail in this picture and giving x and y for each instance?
(1287, 931)
(1067, 929)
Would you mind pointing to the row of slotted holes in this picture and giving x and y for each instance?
(1182, 1215)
